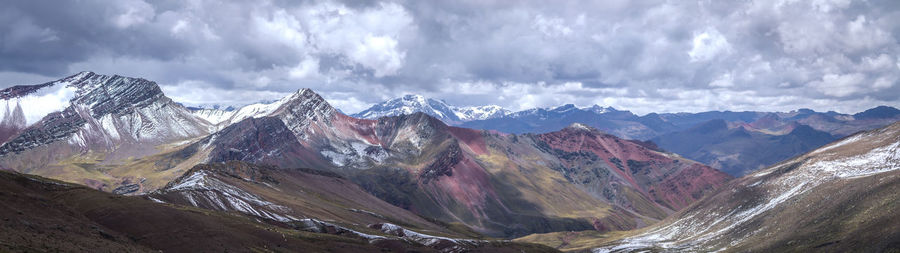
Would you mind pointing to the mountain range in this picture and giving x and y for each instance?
(99, 162)
(122, 135)
(716, 138)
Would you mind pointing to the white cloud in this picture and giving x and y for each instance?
(379, 53)
(198, 93)
(709, 44)
(134, 13)
(307, 68)
(553, 27)
(179, 27)
(723, 81)
(862, 35)
(368, 37)
(839, 85)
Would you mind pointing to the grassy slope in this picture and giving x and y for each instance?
(46, 215)
(64, 162)
(576, 241)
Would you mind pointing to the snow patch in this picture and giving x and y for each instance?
(156, 200)
(201, 186)
(44, 101)
(314, 225)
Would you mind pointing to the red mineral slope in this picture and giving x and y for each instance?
(668, 180)
(473, 139)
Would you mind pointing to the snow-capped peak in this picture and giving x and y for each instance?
(417, 98)
(564, 108)
(470, 113)
(223, 118)
(601, 110)
(409, 104)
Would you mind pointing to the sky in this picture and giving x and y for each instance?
(639, 55)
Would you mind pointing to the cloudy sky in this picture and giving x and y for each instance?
(640, 55)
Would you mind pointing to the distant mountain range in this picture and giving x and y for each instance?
(716, 138)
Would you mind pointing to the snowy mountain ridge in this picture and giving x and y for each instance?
(92, 111)
(410, 104)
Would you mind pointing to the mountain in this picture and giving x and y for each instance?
(410, 104)
(470, 113)
(212, 115)
(838, 198)
(880, 112)
(46, 215)
(541, 120)
(742, 148)
(96, 124)
(629, 173)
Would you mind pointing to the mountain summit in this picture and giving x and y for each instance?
(410, 104)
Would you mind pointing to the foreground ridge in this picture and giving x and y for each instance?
(839, 197)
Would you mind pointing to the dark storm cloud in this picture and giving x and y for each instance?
(638, 55)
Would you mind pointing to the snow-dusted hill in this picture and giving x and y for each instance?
(841, 197)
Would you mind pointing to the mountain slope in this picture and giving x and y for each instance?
(268, 192)
(47, 215)
(837, 198)
(741, 149)
(662, 181)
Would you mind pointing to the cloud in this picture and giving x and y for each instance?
(644, 55)
(708, 45)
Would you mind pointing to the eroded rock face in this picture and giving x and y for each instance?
(259, 140)
(443, 164)
(114, 94)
